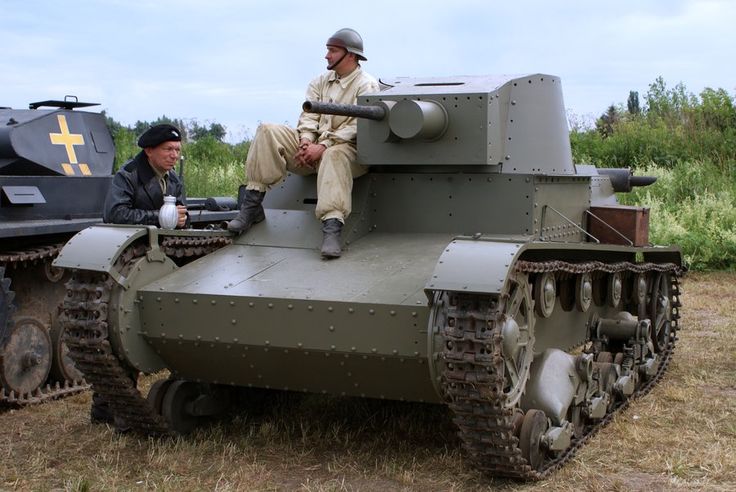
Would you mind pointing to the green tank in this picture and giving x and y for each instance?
(483, 270)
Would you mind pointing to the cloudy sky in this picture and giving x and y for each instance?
(242, 62)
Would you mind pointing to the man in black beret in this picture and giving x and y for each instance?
(138, 188)
(135, 197)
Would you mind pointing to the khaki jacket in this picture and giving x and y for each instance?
(328, 129)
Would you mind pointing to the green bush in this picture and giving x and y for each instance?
(694, 207)
(689, 143)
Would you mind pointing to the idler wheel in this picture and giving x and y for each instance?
(62, 366)
(176, 406)
(25, 360)
(545, 294)
(660, 312)
(530, 438)
(157, 392)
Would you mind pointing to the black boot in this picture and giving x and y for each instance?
(251, 212)
(331, 245)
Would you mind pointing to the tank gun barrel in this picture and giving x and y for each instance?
(623, 180)
(370, 112)
(642, 180)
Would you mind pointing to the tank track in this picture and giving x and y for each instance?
(21, 259)
(86, 322)
(487, 427)
(31, 255)
(44, 394)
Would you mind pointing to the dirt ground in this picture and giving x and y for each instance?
(682, 436)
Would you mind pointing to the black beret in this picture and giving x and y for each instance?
(159, 134)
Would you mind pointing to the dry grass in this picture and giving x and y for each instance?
(681, 437)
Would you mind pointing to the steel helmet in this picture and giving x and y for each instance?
(350, 40)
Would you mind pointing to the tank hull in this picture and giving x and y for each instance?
(283, 318)
(278, 317)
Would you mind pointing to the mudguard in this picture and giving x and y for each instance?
(98, 247)
(473, 265)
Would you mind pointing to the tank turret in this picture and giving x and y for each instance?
(483, 270)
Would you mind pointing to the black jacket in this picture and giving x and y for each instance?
(135, 195)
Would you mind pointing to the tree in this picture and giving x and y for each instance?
(606, 124)
(668, 105)
(215, 130)
(218, 131)
(716, 110)
(632, 104)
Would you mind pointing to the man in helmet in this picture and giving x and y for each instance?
(322, 144)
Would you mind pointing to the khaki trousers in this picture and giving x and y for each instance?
(271, 155)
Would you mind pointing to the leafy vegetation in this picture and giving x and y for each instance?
(688, 141)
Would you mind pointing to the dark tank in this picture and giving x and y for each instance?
(483, 270)
(56, 164)
(55, 170)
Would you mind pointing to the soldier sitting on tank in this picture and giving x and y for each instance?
(138, 188)
(322, 144)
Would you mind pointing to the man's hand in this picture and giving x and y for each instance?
(309, 154)
(182, 210)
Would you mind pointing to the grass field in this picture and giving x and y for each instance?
(682, 436)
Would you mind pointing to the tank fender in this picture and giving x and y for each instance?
(98, 247)
(473, 265)
(553, 384)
